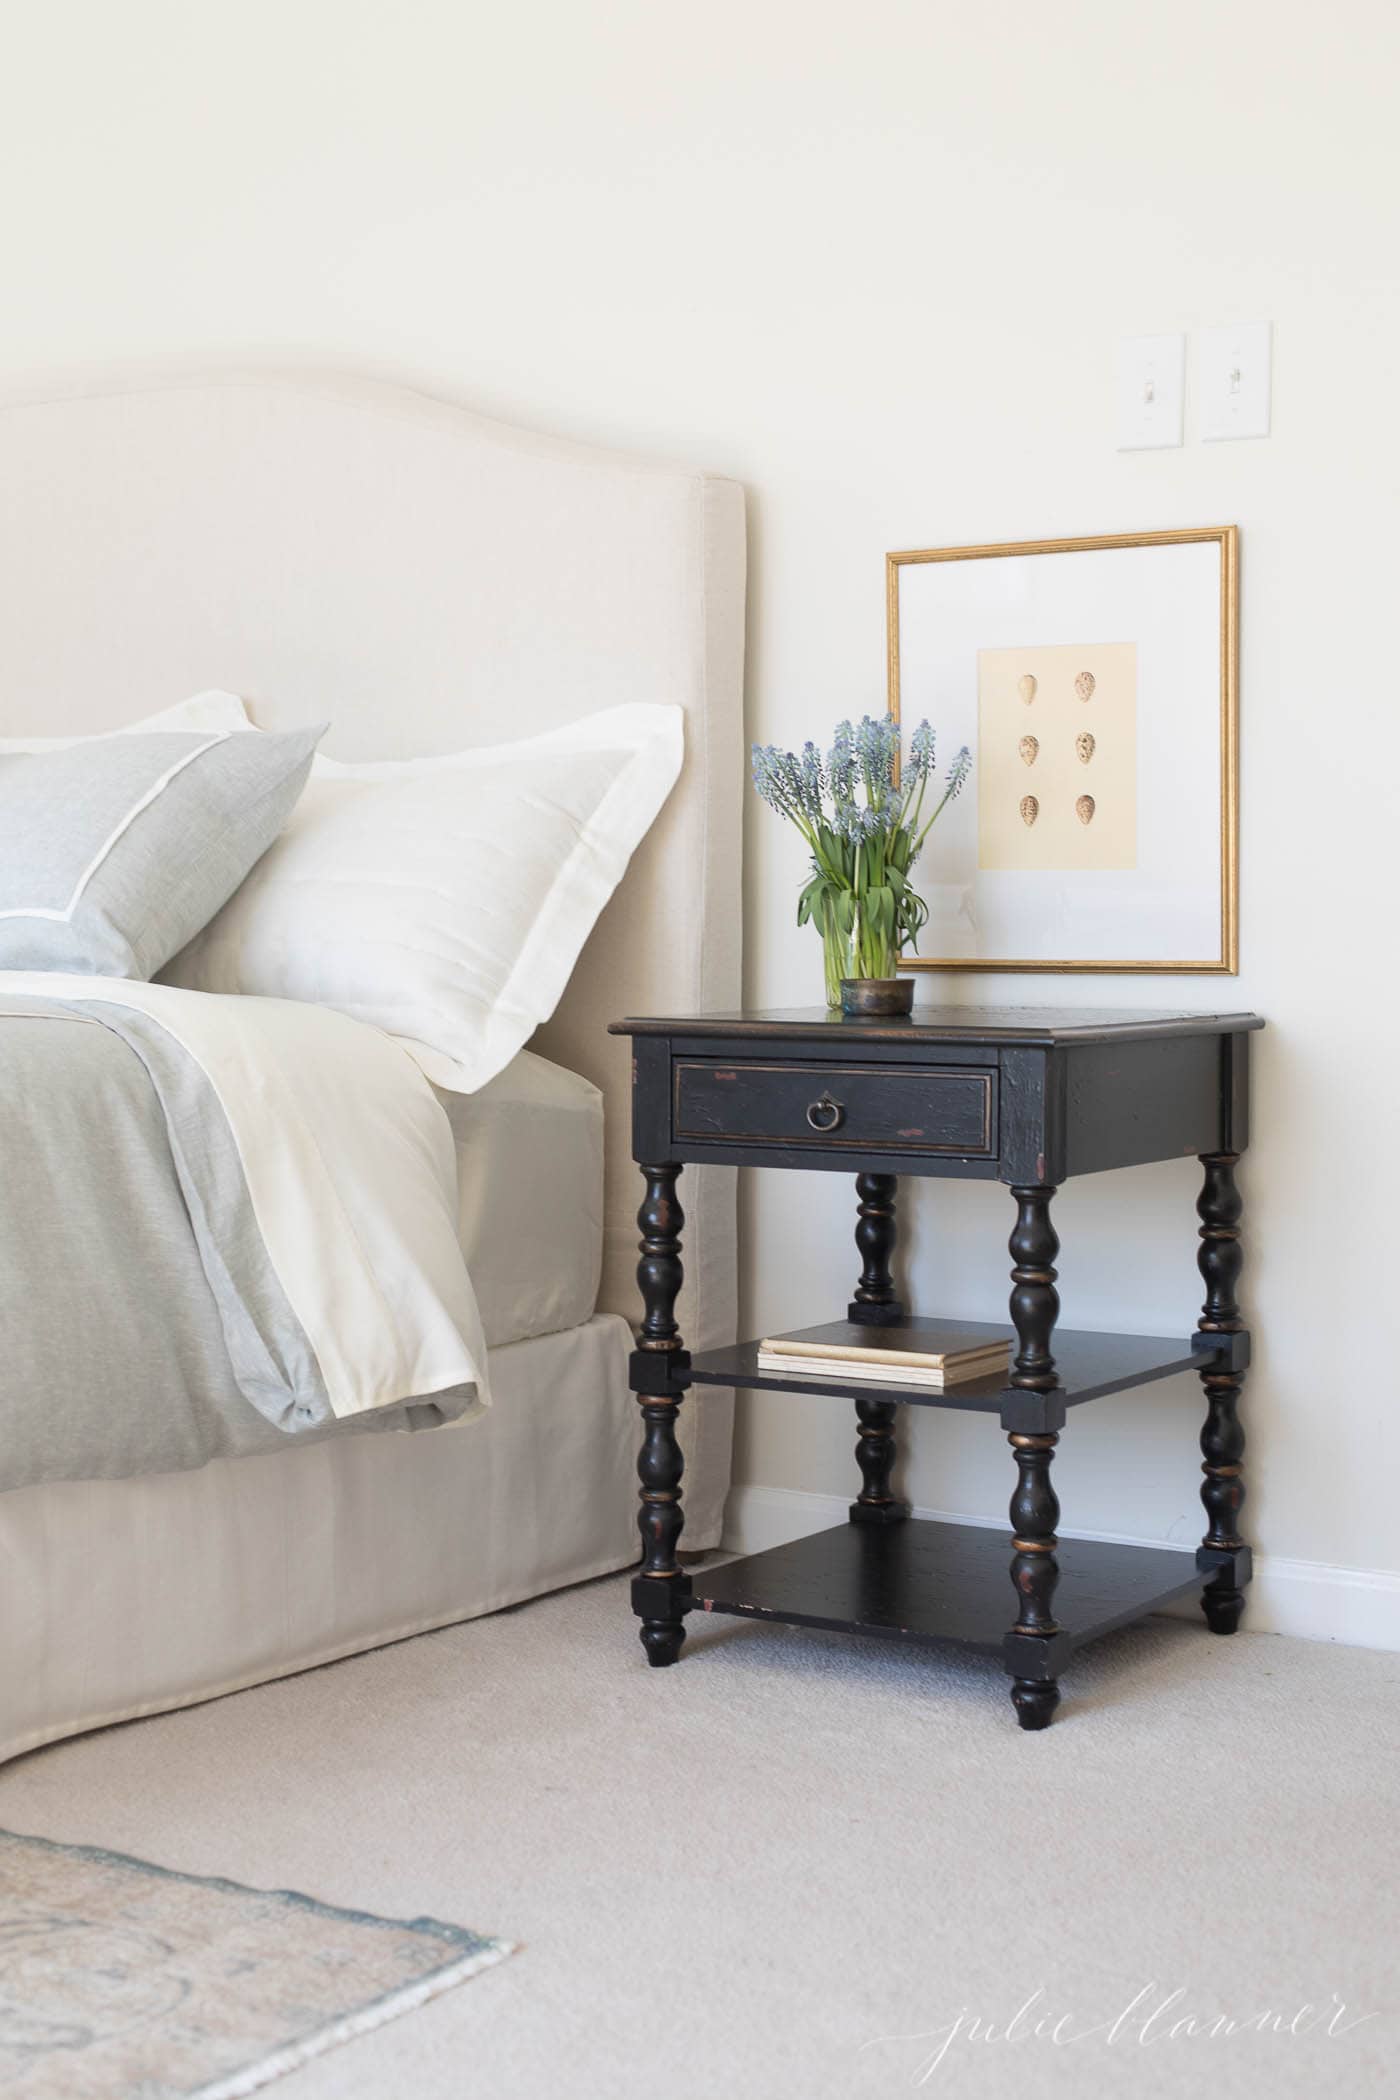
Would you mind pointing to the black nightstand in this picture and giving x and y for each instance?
(1023, 1095)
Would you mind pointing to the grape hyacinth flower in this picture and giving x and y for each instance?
(861, 815)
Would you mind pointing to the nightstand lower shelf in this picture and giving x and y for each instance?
(933, 1582)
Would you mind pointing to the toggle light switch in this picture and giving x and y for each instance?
(1150, 391)
(1234, 368)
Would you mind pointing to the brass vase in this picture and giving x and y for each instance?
(876, 998)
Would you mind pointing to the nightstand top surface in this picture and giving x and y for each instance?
(948, 1024)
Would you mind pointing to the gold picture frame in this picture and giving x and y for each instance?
(1226, 537)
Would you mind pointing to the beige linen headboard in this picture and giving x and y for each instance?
(426, 579)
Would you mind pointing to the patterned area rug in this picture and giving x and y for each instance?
(118, 1977)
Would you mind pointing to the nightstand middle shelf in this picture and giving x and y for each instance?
(1089, 1366)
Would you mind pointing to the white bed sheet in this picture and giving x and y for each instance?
(530, 1197)
(127, 1597)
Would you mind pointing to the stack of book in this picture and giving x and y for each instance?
(901, 1355)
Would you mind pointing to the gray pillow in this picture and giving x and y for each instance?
(116, 852)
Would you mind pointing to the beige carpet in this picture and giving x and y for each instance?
(730, 1876)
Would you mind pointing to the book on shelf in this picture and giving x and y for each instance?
(902, 1356)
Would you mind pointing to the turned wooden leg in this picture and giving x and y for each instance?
(1035, 1509)
(659, 1271)
(660, 1591)
(875, 1455)
(875, 1303)
(1035, 1303)
(1035, 1700)
(1220, 1259)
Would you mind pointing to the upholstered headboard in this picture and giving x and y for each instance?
(426, 580)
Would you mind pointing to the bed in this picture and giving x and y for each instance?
(322, 544)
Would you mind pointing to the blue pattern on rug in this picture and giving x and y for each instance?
(118, 1976)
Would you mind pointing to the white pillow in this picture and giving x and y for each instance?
(446, 900)
(203, 711)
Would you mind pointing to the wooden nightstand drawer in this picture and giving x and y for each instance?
(863, 1108)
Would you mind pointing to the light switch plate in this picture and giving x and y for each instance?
(1234, 371)
(1150, 391)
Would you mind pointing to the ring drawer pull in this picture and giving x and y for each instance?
(826, 1114)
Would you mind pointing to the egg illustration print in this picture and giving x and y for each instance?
(1084, 809)
(1029, 748)
(1084, 747)
(1026, 687)
(1030, 810)
(1084, 685)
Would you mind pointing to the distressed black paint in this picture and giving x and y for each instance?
(1031, 1097)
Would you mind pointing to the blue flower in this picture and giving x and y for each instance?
(812, 782)
(841, 764)
(773, 777)
(958, 772)
(921, 752)
(859, 824)
(877, 749)
(863, 832)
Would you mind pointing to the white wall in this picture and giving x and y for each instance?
(873, 261)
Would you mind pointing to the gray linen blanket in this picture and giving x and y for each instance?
(144, 1326)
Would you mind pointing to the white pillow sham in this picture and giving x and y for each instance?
(203, 711)
(445, 900)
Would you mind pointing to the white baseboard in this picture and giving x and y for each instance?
(1358, 1606)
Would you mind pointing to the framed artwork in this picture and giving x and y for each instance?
(1095, 682)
